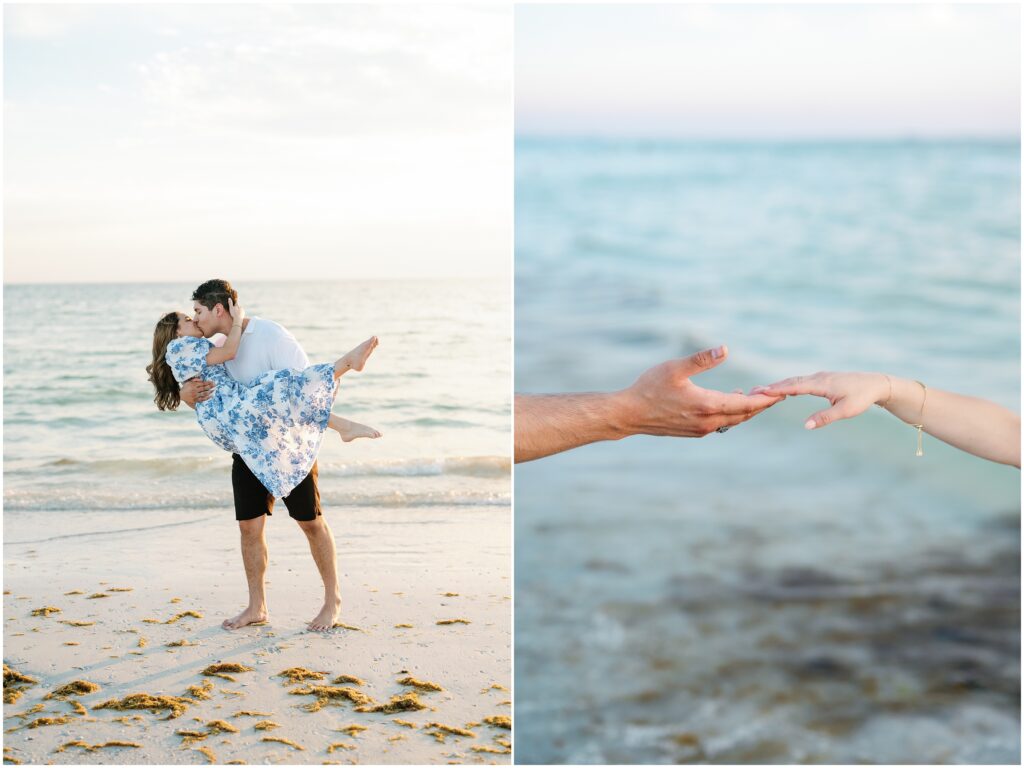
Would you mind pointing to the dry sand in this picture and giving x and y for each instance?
(417, 567)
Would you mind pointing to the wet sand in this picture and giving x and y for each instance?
(138, 611)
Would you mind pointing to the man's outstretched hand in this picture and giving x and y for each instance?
(664, 401)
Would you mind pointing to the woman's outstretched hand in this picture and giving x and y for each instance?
(849, 393)
(236, 311)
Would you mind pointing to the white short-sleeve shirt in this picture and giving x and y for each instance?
(265, 346)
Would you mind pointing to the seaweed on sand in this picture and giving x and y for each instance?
(207, 753)
(155, 704)
(45, 611)
(339, 745)
(454, 621)
(404, 702)
(201, 691)
(74, 688)
(221, 726)
(404, 626)
(298, 674)
(352, 730)
(499, 721)
(182, 615)
(339, 625)
(97, 595)
(352, 679)
(287, 742)
(179, 643)
(247, 713)
(446, 729)
(406, 723)
(423, 685)
(188, 738)
(76, 623)
(93, 747)
(490, 749)
(15, 684)
(327, 693)
(220, 670)
(266, 725)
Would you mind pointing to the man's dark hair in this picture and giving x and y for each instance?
(214, 292)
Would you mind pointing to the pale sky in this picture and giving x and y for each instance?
(767, 71)
(160, 143)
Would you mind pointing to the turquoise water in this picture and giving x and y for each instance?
(81, 431)
(770, 595)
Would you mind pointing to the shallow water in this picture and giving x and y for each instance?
(81, 430)
(770, 595)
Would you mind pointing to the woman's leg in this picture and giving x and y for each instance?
(355, 359)
(350, 430)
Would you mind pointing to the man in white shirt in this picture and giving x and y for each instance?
(265, 346)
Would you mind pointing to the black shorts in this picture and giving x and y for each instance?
(252, 499)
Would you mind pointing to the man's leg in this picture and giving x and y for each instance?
(252, 506)
(254, 558)
(321, 545)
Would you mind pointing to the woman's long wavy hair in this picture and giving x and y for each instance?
(168, 395)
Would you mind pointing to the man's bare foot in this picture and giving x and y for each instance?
(249, 616)
(327, 616)
(356, 358)
(350, 430)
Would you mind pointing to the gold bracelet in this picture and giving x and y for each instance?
(920, 426)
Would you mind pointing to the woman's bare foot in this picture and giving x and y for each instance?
(249, 616)
(350, 430)
(356, 358)
(327, 616)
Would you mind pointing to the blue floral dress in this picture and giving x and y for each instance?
(276, 424)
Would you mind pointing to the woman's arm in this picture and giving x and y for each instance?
(230, 349)
(971, 424)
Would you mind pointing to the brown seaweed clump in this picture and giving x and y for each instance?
(120, 589)
(266, 725)
(155, 704)
(182, 615)
(450, 729)
(352, 679)
(499, 721)
(221, 726)
(76, 623)
(15, 684)
(339, 745)
(298, 674)
(94, 747)
(450, 594)
(74, 592)
(454, 621)
(97, 595)
(503, 742)
(287, 742)
(201, 691)
(404, 626)
(207, 753)
(326, 694)
(423, 685)
(406, 723)
(404, 702)
(248, 713)
(41, 721)
(188, 738)
(352, 730)
(179, 643)
(490, 749)
(45, 611)
(78, 707)
(220, 670)
(74, 688)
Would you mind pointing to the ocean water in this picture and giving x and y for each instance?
(769, 595)
(81, 432)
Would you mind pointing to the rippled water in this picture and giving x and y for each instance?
(81, 430)
(770, 595)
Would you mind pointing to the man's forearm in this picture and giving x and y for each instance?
(548, 424)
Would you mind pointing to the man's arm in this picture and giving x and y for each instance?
(663, 401)
(196, 391)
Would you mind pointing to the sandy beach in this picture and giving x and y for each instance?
(132, 603)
